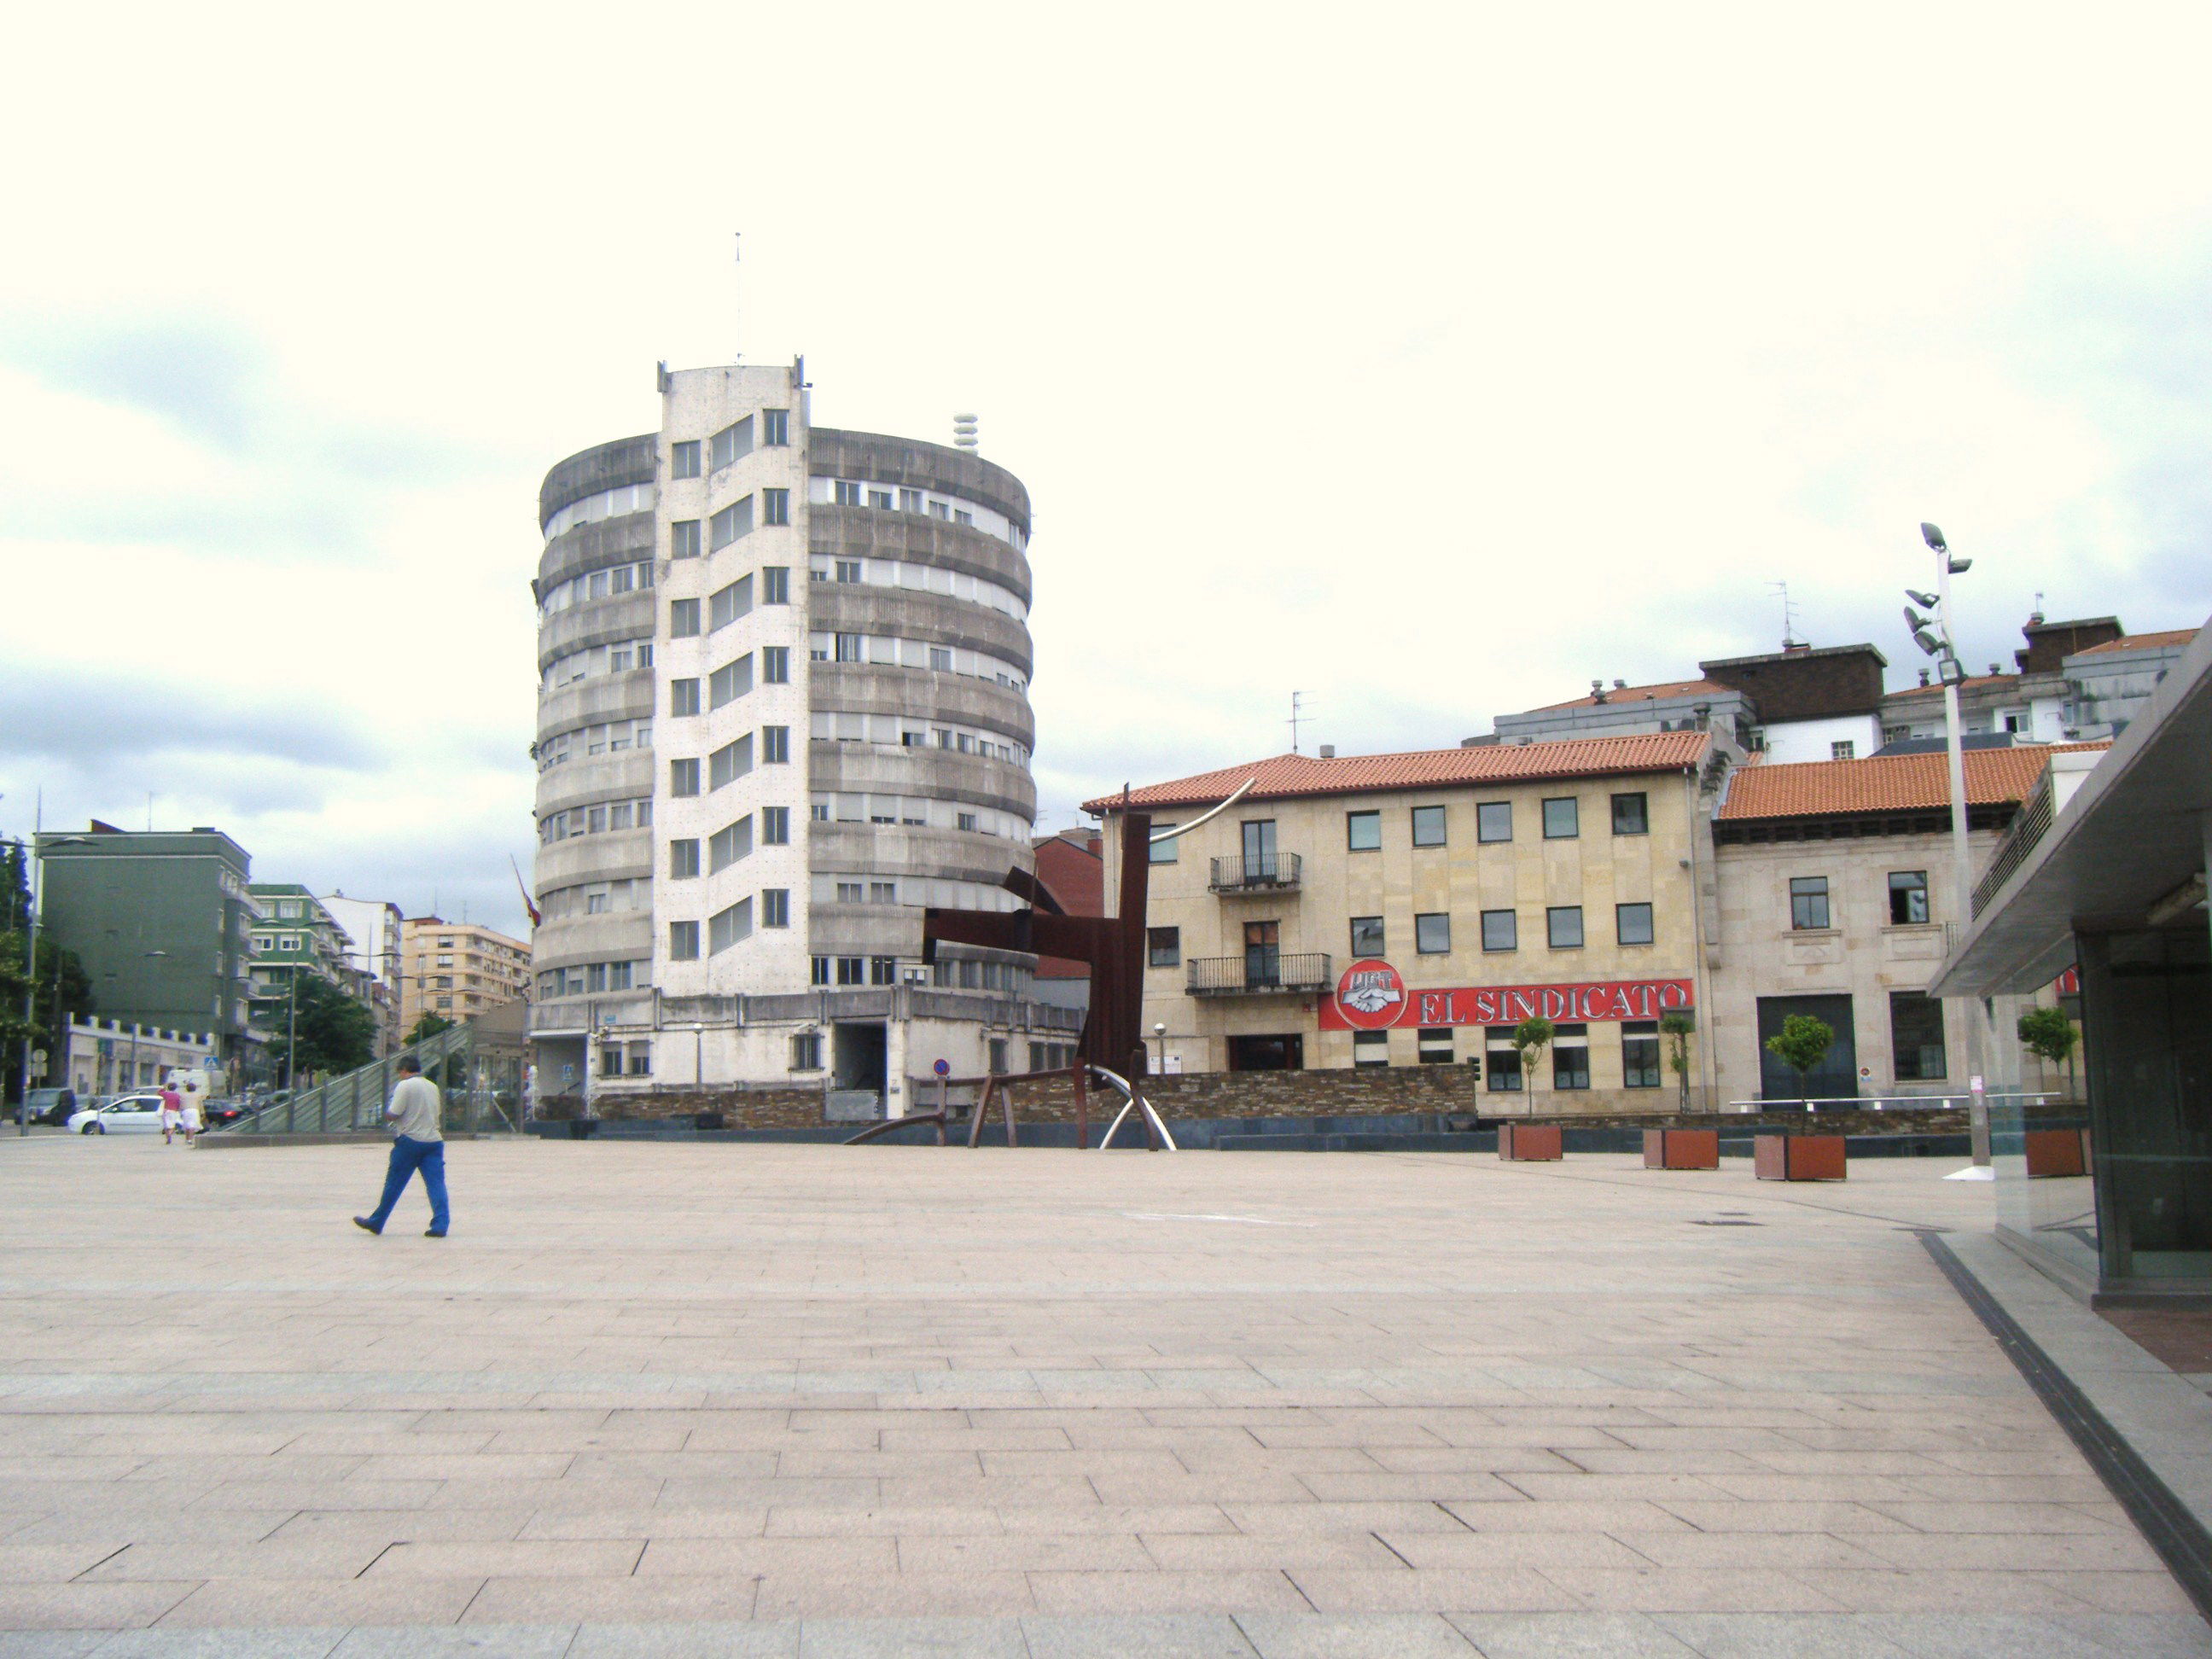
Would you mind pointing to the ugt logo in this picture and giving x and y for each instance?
(1370, 994)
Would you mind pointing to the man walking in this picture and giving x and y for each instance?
(414, 1114)
(173, 1113)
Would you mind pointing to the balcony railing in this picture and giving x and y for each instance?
(1259, 974)
(1271, 874)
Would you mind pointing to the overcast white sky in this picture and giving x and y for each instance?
(1431, 360)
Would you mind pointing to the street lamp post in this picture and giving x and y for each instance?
(1160, 1036)
(1942, 644)
(698, 1077)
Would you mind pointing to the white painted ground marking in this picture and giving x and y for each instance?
(1248, 1220)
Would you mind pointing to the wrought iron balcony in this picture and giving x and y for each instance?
(1259, 974)
(1277, 873)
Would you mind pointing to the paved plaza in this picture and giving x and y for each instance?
(693, 1398)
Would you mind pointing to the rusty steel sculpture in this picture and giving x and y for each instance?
(1111, 1046)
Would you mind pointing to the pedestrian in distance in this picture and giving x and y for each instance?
(190, 1107)
(173, 1114)
(413, 1113)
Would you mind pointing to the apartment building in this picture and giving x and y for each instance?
(458, 970)
(1836, 898)
(783, 708)
(372, 960)
(162, 922)
(1413, 909)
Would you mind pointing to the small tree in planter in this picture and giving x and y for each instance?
(1801, 1043)
(1530, 1038)
(2050, 1034)
(1676, 1028)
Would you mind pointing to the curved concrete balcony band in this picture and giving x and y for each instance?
(609, 621)
(624, 696)
(602, 467)
(922, 695)
(934, 618)
(871, 533)
(621, 936)
(883, 850)
(864, 930)
(595, 546)
(620, 774)
(880, 458)
(610, 856)
(947, 774)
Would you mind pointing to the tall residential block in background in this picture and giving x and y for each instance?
(458, 970)
(783, 708)
(161, 921)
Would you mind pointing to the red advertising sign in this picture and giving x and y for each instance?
(1370, 997)
(1577, 1003)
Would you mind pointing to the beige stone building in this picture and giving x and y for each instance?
(458, 970)
(1834, 888)
(1411, 908)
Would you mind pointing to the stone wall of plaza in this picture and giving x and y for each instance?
(1529, 876)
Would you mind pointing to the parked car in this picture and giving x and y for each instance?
(54, 1106)
(219, 1114)
(139, 1114)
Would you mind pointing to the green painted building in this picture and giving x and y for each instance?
(161, 921)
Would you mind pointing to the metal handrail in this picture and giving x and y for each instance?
(1272, 872)
(1877, 1103)
(1305, 970)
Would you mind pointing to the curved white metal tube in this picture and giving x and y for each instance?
(1138, 1102)
(1173, 831)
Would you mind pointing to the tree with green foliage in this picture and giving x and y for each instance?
(1801, 1043)
(1676, 1028)
(336, 1032)
(64, 988)
(1530, 1038)
(2049, 1034)
(428, 1027)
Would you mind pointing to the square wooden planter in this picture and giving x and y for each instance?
(1682, 1149)
(1798, 1158)
(2056, 1152)
(1529, 1143)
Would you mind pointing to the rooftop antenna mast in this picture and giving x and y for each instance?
(964, 433)
(1297, 714)
(1789, 615)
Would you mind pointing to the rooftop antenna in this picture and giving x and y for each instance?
(1297, 714)
(2039, 605)
(1789, 615)
(964, 433)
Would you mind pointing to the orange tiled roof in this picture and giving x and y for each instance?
(1281, 777)
(1887, 783)
(1969, 684)
(2142, 642)
(1641, 693)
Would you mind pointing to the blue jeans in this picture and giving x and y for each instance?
(409, 1155)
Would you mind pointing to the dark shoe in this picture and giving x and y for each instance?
(433, 1233)
(366, 1225)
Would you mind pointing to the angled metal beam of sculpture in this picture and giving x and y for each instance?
(1113, 946)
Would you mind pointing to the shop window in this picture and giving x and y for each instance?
(1367, 936)
(1432, 934)
(1363, 831)
(1435, 1047)
(1808, 902)
(1908, 898)
(1504, 1060)
(1916, 1037)
(1570, 1057)
(1640, 1054)
(1164, 946)
(1493, 821)
(1631, 923)
(1371, 1048)
(1428, 826)
(1563, 819)
(1632, 815)
(1563, 927)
